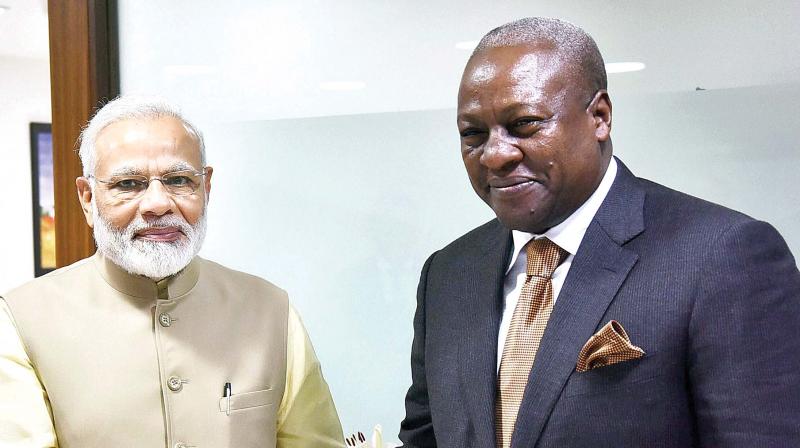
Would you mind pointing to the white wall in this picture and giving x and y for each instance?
(264, 59)
(736, 147)
(24, 98)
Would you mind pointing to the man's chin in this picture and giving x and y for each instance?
(526, 220)
(154, 260)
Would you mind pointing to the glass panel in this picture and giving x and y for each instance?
(347, 110)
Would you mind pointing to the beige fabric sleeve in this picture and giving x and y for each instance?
(25, 417)
(307, 417)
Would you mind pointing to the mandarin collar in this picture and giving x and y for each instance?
(167, 288)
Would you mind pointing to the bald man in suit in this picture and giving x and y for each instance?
(664, 320)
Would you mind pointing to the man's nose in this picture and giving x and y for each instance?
(499, 152)
(156, 200)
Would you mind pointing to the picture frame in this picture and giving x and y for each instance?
(43, 206)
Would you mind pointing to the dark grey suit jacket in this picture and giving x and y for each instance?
(711, 295)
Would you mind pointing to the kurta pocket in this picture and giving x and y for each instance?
(252, 421)
(247, 400)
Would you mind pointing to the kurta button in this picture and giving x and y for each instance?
(175, 384)
(165, 319)
(183, 445)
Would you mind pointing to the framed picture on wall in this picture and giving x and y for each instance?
(44, 230)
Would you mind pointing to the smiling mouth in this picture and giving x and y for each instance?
(510, 186)
(160, 234)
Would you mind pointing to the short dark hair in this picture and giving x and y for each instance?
(570, 41)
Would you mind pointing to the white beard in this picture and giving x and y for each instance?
(153, 259)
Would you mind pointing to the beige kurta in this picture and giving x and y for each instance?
(125, 361)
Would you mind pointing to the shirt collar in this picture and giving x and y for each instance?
(569, 233)
(138, 286)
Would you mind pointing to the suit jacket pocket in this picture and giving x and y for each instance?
(633, 373)
(248, 400)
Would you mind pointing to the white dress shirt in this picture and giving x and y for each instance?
(567, 235)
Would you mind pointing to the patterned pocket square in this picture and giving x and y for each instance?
(608, 346)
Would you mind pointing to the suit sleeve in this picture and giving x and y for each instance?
(744, 353)
(416, 430)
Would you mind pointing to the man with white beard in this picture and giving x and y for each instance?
(145, 344)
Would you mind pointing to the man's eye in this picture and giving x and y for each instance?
(469, 132)
(525, 123)
(472, 137)
(129, 184)
(178, 181)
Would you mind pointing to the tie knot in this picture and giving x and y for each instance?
(544, 256)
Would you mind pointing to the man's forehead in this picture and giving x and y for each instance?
(133, 129)
(145, 142)
(519, 62)
(511, 74)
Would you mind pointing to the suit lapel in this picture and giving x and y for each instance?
(481, 299)
(598, 270)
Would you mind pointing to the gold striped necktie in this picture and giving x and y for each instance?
(524, 334)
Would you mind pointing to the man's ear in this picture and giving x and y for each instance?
(600, 109)
(207, 181)
(85, 198)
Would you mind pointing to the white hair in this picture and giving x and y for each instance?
(155, 260)
(129, 107)
(571, 42)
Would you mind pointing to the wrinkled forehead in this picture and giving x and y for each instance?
(149, 146)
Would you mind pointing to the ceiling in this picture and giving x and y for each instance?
(257, 59)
